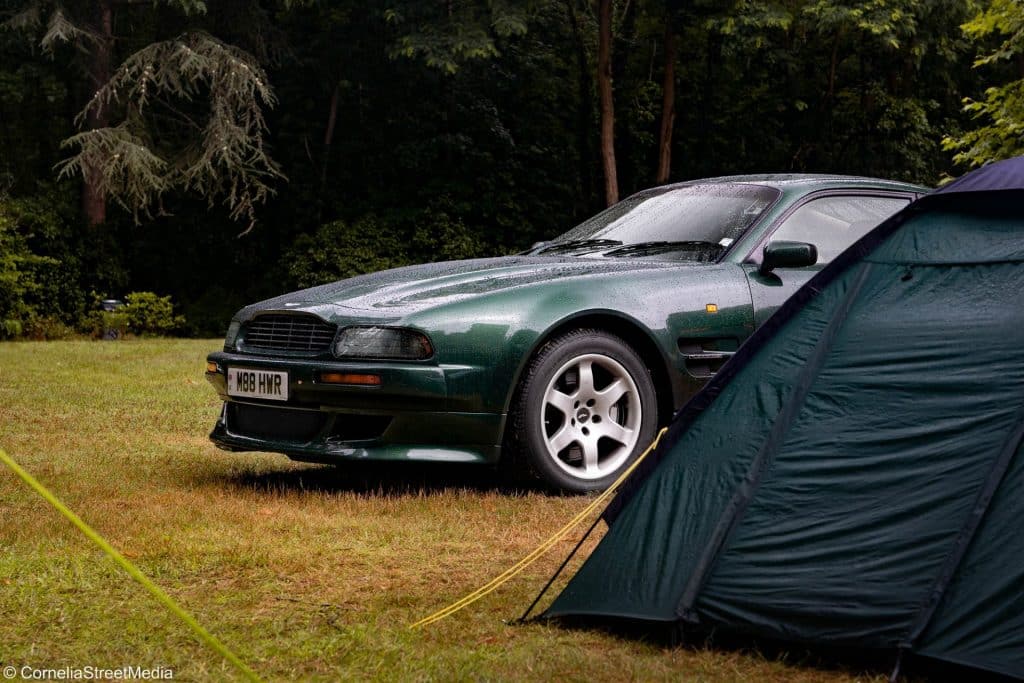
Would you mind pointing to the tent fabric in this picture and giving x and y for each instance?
(995, 177)
(854, 474)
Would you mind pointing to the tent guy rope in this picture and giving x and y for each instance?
(505, 576)
(133, 571)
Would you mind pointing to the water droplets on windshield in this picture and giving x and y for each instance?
(713, 214)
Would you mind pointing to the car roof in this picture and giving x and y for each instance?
(804, 181)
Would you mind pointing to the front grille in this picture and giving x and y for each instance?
(298, 332)
(280, 424)
(351, 427)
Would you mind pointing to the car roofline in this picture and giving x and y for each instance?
(783, 181)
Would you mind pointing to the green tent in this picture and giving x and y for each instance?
(854, 475)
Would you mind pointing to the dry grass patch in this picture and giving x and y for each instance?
(307, 572)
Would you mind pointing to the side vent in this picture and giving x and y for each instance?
(703, 357)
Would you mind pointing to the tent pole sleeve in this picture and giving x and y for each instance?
(967, 532)
(736, 507)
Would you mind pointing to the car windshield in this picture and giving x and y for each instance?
(695, 222)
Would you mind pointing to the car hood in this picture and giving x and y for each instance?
(406, 290)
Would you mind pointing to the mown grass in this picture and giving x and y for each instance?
(307, 572)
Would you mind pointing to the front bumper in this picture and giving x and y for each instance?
(411, 415)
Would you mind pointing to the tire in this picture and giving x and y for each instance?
(585, 409)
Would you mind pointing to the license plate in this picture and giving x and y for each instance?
(253, 383)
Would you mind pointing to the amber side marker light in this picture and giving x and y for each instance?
(350, 378)
(211, 366)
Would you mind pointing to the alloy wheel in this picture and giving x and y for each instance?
(591, 412)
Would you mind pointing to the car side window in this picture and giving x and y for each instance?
(834, 223)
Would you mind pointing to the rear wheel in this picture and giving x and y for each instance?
(585, 410)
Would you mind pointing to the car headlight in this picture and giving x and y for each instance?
(391, 343)
(232, 335)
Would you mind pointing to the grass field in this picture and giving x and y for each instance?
(307, 572)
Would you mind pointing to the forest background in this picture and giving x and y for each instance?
(204, 155)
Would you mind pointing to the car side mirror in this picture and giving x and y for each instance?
(786, 254)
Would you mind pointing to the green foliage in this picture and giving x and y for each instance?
(1001, 18)
(903, 133)
(888, 21)
(144, 314)
(100, 324)
(420, 130)
(17, 278)
(46, 327)
(166, 143)
(32, 118)
(48, 265)
(749, 23)
(28, 281)
(341, 249)
(998, 132)
(208, 314)
(863, 87)
(149, 314)
(445, 37)
(438, 236)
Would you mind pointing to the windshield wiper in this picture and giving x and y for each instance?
(660, 247)
(573, 245)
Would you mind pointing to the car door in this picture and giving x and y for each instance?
(831, 222)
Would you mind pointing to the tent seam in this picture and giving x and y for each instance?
(993, 480)
(737, 506)
(856, 255)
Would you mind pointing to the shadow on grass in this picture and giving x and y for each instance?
(854, 661)
(381, 478)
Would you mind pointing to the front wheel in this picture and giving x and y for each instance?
(585, 410)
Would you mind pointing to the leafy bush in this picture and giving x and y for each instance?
(49, 264)
(20, 274)
(9, 327)
(208, 316)
(51, 230)
(100, 324)
(340, 249)
(439, 237)
(44, 327)
(150, 314)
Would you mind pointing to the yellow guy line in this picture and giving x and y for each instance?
(163, 597)
(541, 549)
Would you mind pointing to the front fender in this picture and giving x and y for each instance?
(491, 338)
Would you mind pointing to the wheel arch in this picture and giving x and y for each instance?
(631, 332)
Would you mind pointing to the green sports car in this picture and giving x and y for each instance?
(561, 361)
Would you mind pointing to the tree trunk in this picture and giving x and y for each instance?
(332, 118)
(706, 158)
(832, 66)
(584, 116)
(604, 83)
(668, 104)
(94, 203)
